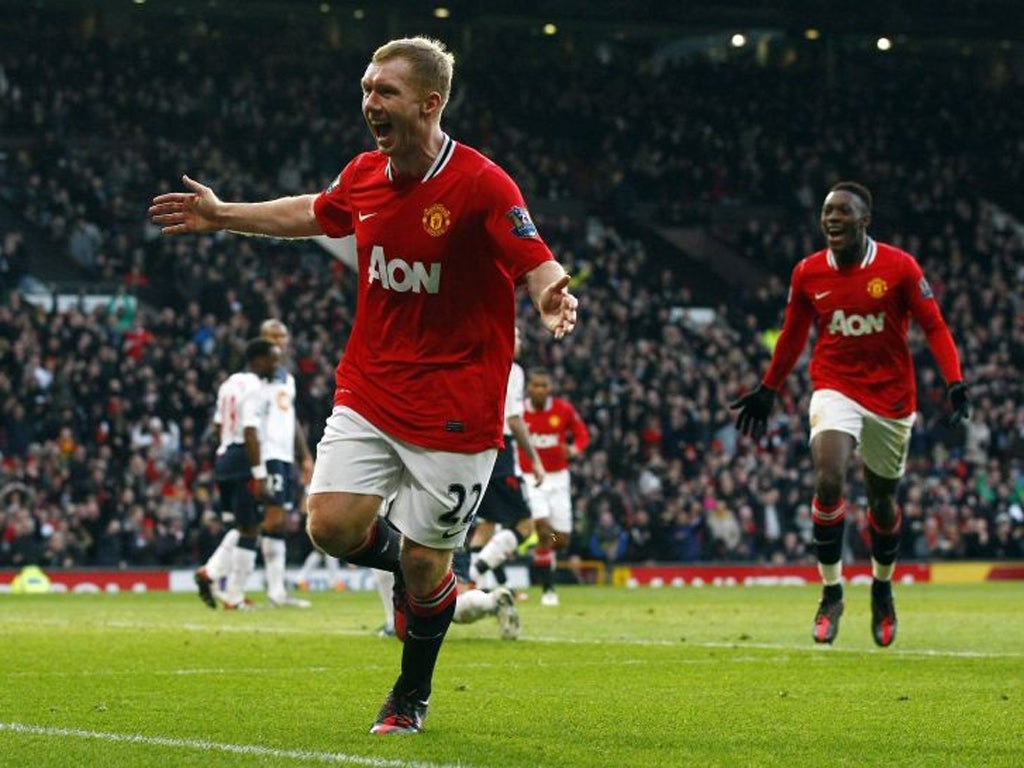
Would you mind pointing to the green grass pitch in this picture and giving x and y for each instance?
(613, 677)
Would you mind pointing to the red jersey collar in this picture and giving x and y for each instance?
(869, 255)
(447, 150)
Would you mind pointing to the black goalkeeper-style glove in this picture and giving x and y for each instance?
(754, 409)
(959, 402)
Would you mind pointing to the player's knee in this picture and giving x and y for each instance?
(828, 487)
(423, 568)
(326, 528)
(315, 532)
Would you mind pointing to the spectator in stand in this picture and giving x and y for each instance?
(24, 542)
(642, 545)
(1008, 541)
(608, 541)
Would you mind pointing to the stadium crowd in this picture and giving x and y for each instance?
(105, 443)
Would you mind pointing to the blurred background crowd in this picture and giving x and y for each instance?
(679, 181)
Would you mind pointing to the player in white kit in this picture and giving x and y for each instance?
(284, 446)
(241, 475)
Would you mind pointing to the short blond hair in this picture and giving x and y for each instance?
(432, 63)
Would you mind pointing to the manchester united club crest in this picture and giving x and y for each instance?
(877, 288)
(436, 220)
(554, 421)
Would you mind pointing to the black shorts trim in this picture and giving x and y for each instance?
(236, 497)
(503, 502)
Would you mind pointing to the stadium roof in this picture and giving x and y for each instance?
(984, 19)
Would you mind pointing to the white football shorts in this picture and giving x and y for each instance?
(552, 499)
(883, 443)
(436, 493)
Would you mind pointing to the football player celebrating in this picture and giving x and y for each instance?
(860, 295)
(443, 238)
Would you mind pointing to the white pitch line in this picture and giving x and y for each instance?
(629, 641)
(742, 645)
(339, 758)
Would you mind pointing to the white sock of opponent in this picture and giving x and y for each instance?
(243, 563)
(334, 571)
(273, 550)
(472, 605)
(386, 588)
(312, 561)
(220, 561)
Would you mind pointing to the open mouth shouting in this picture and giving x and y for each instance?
(383, 132)
(836, 235)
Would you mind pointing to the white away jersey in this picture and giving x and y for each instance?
(514, 395)
(279, 428)
(240, 404)
(515, 405)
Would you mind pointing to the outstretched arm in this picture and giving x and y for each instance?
(200, 210)
(548, 285)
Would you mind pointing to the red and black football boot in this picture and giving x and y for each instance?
(400, 715)
(883, 614)
(826, 620)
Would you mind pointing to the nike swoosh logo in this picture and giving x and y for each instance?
(455, 532)
(821, 295)
(365, 216)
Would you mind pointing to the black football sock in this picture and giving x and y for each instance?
(499, 575)
(427, 622)
(460, 563)
(544, 561)
(380, 550)
(885, 544)
(828, 536)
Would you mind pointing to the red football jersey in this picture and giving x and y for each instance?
(861, 313)
(431, 347)
(549, 430)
